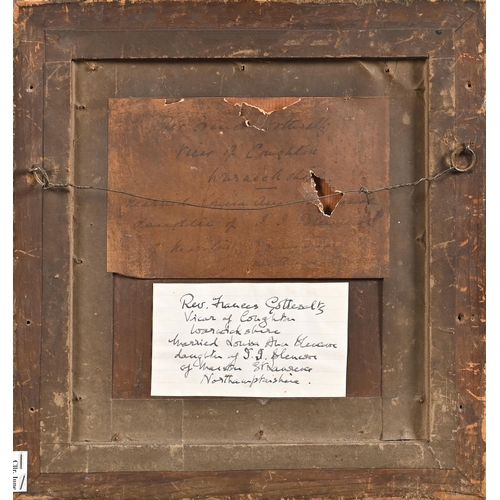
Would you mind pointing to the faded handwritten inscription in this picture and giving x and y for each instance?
(247, 154)
(250, 339)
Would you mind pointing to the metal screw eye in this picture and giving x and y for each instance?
(464, 150)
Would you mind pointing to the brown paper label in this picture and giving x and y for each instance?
(230, 187)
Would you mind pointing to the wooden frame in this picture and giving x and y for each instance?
(449, 36)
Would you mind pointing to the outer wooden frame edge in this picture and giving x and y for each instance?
(29, 54)
(471, 250)
(466, 481)
(369, 484)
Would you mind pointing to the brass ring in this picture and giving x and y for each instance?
(464, 150)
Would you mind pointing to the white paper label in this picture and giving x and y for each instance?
(20, 471)
(250, 339)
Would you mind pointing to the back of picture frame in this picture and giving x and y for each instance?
(110, 200)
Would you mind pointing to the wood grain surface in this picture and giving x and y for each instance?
(444, 458)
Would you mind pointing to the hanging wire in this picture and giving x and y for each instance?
(43, 180)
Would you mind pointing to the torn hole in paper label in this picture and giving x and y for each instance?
(316, 189)
(170, 101)
(256, 111)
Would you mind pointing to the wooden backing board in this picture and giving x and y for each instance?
(132, 334)
(132, 350)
